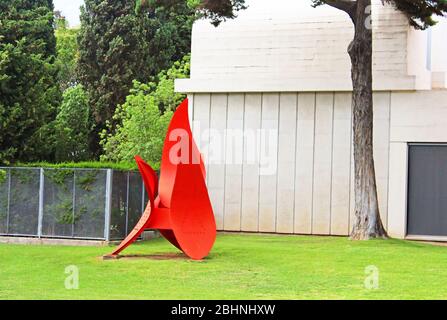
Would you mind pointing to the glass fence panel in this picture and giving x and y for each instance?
(4, 194)
(57, 218)
(24, 201)
(90, 197)
(119, 205)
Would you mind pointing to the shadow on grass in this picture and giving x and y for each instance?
(155, 256)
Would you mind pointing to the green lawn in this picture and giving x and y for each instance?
(239, 267)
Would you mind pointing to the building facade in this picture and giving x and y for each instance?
(270, 100)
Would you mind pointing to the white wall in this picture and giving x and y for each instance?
(438, 53)
(310, 190)
(415, 117)
(282, 9)
(287, 70)
(287, 45)
(439, 46)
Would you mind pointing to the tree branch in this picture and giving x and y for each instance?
(348, 6)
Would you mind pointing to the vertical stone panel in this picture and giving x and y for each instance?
(234, 156)
(250, 169)
(323, 163)
(341, 164)
(268, 152)
(286, 163)
(304, 163)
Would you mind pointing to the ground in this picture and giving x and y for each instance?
(239, 267)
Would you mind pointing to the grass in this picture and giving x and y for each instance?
(239, 267)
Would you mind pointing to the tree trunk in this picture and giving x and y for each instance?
(367, 223)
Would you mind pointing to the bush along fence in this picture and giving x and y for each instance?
(97, 204)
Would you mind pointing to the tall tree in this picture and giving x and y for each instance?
(29, 94)
(122, 41)
(72, 126)
(420, 13)
(67, 56)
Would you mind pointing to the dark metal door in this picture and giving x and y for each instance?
(427, 190)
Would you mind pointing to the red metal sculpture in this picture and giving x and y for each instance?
(179, 205)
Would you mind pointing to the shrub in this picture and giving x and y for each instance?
(143, 120)
(72, 126)
(2, 176)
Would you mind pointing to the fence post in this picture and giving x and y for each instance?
(108, 204)
(143, 190)
(127, 202)
(9, 201)
(41, 198)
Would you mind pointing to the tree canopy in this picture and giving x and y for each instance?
(419, 12)
(123, 41)
(143, 119)
(29, 94)
(220, 10)
(67, 56)
(72, 126)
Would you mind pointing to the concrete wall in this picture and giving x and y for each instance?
(439, 46)
(291, 47)
(311, 189)
(281, 69)
(415, 117)
(438, 59)
(296, 53)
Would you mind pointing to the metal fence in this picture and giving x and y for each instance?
(100, 204)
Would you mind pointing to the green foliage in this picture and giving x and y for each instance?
(60, 22)
(72, 126)
(63, 181)
(63, 212)
(419, 12)
(3, 175)
(122, 41)
(143, 120)
(87, 179)
(119, 41)
(23, 176)
(67, 56)
(218, 11)
(162, 86)
(142, 129)
(59, 177)
(29, 94)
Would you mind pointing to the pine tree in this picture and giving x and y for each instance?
(29, 94)
(122, 41)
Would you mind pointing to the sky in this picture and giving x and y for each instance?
(70, 9)
(257, 8)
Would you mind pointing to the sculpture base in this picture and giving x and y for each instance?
(156, 256)
(110, 257)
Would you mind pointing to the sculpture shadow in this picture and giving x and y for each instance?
(155, 256)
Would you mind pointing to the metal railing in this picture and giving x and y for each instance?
(99, 204)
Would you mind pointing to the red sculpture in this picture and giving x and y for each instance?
(179, 205)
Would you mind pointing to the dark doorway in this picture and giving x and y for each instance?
(427, 190)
